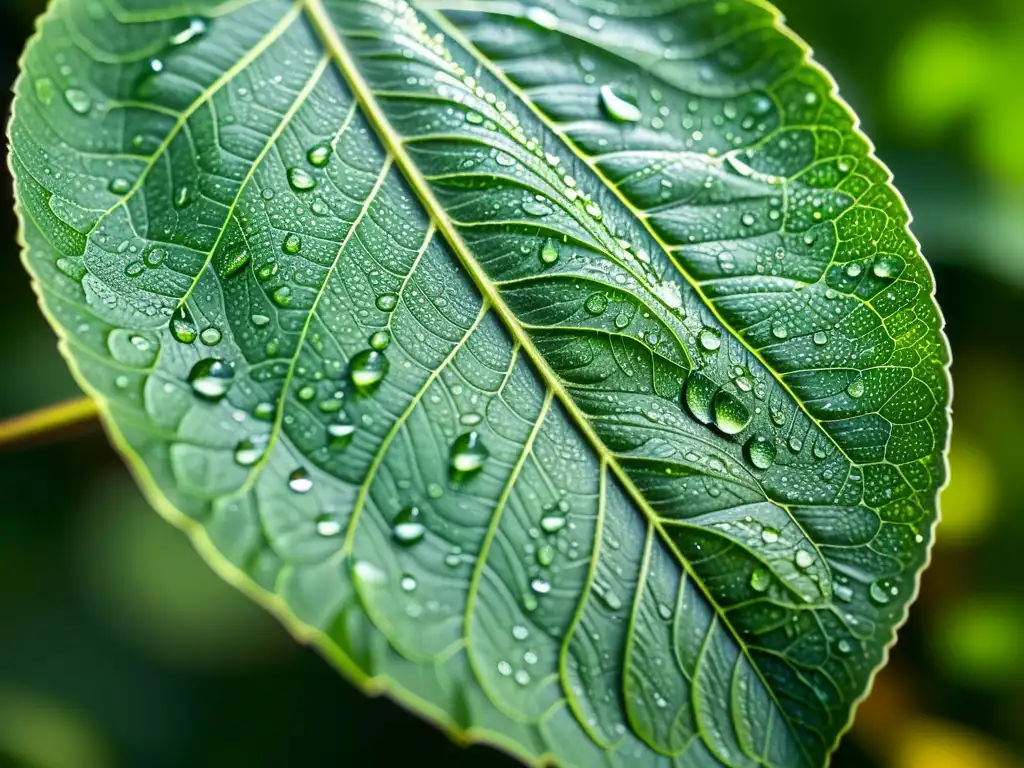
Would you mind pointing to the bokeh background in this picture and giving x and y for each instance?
(118, 647)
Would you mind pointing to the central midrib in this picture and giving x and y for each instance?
(324, 26)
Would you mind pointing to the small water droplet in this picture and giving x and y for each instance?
(779, 331)
(468, 453)
(710, 339)
(770, 535)
(380, 340)
(804, 559)
(44, 90)
(540, 586)
(545, 555)
(211, 378)
(154, 257)
(854, 269)
(78, 100)
(210, 336)
(300, 180)
(878, 593)
(120, 186)
(856, 388)
(407, 528)
(596, 304)
(387, 302)
(820, 338)
(552, 523)
(761, 451)
(319, 155)
(291, 244)
(368, 369)
(619, 107)
(327, 525)
(760, 579)
(248, 452)
(134, 269)
(235, 262)
(299, 481)
(408, 583)
(340, 435)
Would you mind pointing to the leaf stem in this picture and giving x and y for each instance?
(47, 423)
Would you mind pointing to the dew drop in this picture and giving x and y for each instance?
(700, 391)
(380, 340)
(387, 302)
(856, 388)
(552, 523)
(545, 555)
(210, 336)
(468, 453)
(210, 378)
(878, 593)
(854, 269)
(154, 257)
(540, 586)
(769, 535)
(327, 525)
(300, 180)
(319, 155)
(78, 100)
(196, 27)
(731, 415)
(182, 326)
(803, 559)
(299, 481)
(887, 267)
(710, 339)
(820, 338)
(407, 528)
(760, 580)
(44, 90)
(236, 262)
(408, 583)
(779, 331)
(761, 451)
(596, 304)
(282, 296)
(340, 435)
(120, 186)
(247, 453)
(183, 197)
(134, 269)
(291, 244)
(618, 107)
(368, 369)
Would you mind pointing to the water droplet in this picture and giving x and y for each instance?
(291, 244)
(408, 583)
(44, 90)
(618, 107)
(540, 586)
(236, 261)
(769, 535)
(536, 208)
(596, 303)
(522, 677)
(804, 559)
(519, 632)
(248, 452)
(731, 415)
(747, 219)
(210, 336)
(700, 391)
(78, 100)
(387, 302)
(820, 338)
(542, 17)
(545, 555)
(887, 266)
(468, 453)
(154, 257)
(504, 668)
(779, 331)
(856, 388)
(282, 296)
(210, 378)
(196, 27)
(259, 320)
(380, 340)
(761, 451)
(552, 523)
(299, 481)
(340, 434)
(853, 270)
(300, 180)
(319, 155)
(327, 525)
(407, 528)
(120, 186)
(368, 369)
(265, 411)
(878, 593)
(134, 269)
(760, 579)
(710, 339)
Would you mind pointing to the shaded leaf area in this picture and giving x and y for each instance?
(566, 372)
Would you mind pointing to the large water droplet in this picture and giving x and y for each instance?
(236, 260)
(78, 100)
(210, 336)
(540, 586)
(387, 302)
(856, 388)
(120, 186)
(211, 378)
(552, 523)
(549, 252)
(248, 452)
(319, 155)
(804, 559)
(299, 481)
(769, 535)
(407, 528)
(731, 415)
(300, 180)
(468, 453)
(761, 451)
(710, 339)
(368, 369)
(340, 435)
(619, 107)
(327, 525)
(380, 340)
(700, 391)
(291, 244)
(760, 579)
(596, 304)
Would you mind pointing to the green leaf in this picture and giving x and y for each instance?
(566, 371)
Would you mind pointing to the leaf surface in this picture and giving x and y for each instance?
(565, 370)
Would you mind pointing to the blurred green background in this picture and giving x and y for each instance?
(119, 647)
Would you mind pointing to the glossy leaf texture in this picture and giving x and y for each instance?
(564, 369)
